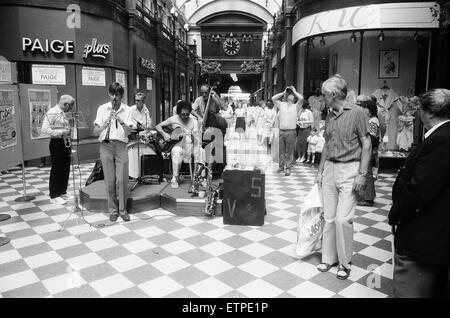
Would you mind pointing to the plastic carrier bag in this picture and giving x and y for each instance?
(310, 224)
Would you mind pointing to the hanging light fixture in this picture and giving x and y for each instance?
(322, 41)
(311, 43)
(381, 37)
(416, 36)
(353, 38)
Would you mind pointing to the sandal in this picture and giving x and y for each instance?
(343, 272)
(324, 267)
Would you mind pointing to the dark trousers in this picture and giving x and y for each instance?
(413, 279)
(60, 171)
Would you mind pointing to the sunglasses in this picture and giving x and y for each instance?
(184, 114)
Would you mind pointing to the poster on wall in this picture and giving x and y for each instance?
(120, 78)
(5, 72)
(48, 74)
(40, 103)
(93, 76)
(8, 131)
(149, 83)
(389, 65)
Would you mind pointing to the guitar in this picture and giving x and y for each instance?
(162, 145)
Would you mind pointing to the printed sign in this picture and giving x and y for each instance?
(40, 103)
(48, 74)
(8, 131)
(121, 78)
(149, 83)
(5, 72)
(93, 76)
(137, 81)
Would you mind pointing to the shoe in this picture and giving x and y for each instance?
(41, 165)
(174, 183)
(288, 172)
(324, 267)
(66, 196)
(343, 272)
(113, 217)
(280, 170)
(125, 216)
(58, 200)
(364, 203)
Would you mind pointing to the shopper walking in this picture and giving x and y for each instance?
(305, 123)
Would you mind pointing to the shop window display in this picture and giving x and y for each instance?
(391, 67)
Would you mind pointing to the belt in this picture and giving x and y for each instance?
(287, 129)
(112, 140)
(337, 161)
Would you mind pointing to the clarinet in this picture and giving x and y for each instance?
(109, 126)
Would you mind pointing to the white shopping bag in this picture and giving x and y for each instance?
(310, 224)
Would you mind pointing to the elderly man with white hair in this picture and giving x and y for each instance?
(420, 207)
(56, 125)
(342, 173)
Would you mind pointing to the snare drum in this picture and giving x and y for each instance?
(134, 164)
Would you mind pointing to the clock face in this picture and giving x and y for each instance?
(231, 46)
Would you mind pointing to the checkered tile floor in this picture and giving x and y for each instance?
(159, 254)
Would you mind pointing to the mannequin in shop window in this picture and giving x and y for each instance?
(317, 105)
(387, 102)
(407, 107)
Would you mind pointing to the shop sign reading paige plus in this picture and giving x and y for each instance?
(95, 49)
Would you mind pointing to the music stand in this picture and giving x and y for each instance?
(76, 120)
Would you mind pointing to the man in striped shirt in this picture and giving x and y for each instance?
(342, 173)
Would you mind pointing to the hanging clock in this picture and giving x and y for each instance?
(231, 46)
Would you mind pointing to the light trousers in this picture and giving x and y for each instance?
(114, 157)
(339, 204)
(286, 147)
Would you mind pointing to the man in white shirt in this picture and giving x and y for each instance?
(289, 109)
(140, 114)
(113, 125)
(57, 126)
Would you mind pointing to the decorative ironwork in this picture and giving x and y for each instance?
(210, 67)
(252, 67)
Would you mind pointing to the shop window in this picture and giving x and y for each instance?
(391, 65)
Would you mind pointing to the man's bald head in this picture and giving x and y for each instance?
(66, 102)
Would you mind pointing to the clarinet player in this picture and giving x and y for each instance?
(57, 126)
(113, 125)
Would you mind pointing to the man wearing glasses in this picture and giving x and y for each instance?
(140, 113)
(184, 126)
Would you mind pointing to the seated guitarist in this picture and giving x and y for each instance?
(184, 126)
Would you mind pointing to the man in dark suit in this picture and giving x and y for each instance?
(420, 213)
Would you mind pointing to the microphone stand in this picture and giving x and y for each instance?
(74, 131)
(139, 177)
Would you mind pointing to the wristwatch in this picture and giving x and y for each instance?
(362, 173)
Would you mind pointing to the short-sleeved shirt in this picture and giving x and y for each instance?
(55, 121)
(343, 133)
(190, 127)
(288, 114)
(116, 131)
(141, 116)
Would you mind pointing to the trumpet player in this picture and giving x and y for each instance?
(113, 124)
(56, 125)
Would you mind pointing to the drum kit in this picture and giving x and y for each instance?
(140, 144)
